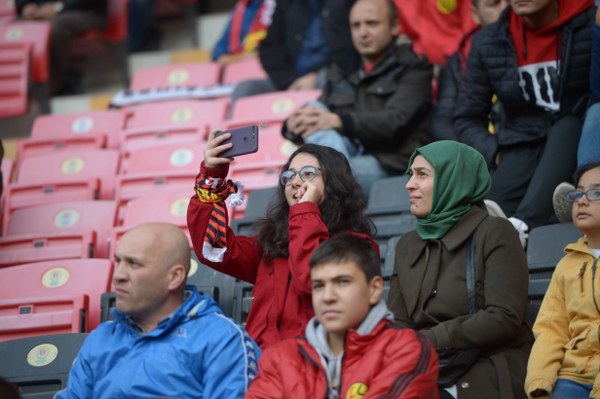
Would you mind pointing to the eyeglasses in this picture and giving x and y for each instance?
(306, 173)
(591, 195)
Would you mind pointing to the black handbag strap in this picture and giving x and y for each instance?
(470, 275)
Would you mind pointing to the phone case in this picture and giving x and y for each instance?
(244, 139)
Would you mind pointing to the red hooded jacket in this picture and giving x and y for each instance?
(390, 362)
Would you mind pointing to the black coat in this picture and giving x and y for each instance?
(492, 69)
(279, 50)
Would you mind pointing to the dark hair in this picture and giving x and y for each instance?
(392, 11)
(582, 169)
(342, 209)
(348, 247)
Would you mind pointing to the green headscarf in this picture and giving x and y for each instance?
(461, 179)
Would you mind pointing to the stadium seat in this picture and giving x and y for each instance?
(14, 79)
(39, 366)
(239, 71)
(185, 156)
(269, 108)
(37, 34)
(79, 124)
(388, 255)
(7, 13)
(545, 247)
(166, 115)
(389, 209)
(537, 290)
(48, 220)
(47, 280)
(32, 147)
(30, 316)
(203, 276)
(176, 75)
(253, 177)
(258, 202)
(8, 168)
(242, 300)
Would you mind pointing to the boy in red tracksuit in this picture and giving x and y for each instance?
(351, 348)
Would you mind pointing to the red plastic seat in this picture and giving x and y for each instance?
(50, 280)
(14, 78)
(8, 167)
(33, 147)
(31, 316)
(37, 33)
(8, 11)
(239, 71)
(176, 75)
(80, 124)
(269, 108)
(185, 156)
(50, 221)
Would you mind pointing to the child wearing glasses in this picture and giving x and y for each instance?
(316, 198)
(565, 358)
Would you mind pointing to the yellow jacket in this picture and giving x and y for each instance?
(567, 326)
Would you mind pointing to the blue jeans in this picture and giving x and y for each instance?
(567, 389)
(365, 168)
(589, 143)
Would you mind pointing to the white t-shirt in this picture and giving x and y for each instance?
(596, 252)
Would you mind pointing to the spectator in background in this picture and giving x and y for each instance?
(377, 115)
(484, 13)
(350, 348)
(167, 339)
(461, 277)
(304, 37)
(565, 358)
(435, 27)
(589, 144)
(317, 197)
(141, 16)
(245, 30)
(70, 19)
(536, 60)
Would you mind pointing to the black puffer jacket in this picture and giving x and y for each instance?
(279, 50)
(492, 69)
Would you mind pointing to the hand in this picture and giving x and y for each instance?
(310, 192)
(46, 11)
(213, 148)
(30, 11)
(319, 119)
(305, 82)
(296, 123)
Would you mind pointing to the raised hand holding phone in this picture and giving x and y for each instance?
(244, 141)
(215, 146)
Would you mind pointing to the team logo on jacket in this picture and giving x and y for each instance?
(446, 6)
(357, 391)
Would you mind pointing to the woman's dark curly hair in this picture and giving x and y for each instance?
(341, 210)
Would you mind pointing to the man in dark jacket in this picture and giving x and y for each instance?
(484, 13)
(70, 19)
(376, 115)
(536, 60)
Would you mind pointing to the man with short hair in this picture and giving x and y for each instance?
(351, 347)
(376, 115)
(167, 339)
(536, 59)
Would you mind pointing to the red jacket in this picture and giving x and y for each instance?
(390, 362)
(282, 303)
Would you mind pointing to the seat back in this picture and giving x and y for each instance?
(536, 292)
(14, 78)
(269, 108)
(258, 203)
(39, 366)
(47, 280)
(8, 167)
(67, 217)
(545, 247)
(57, 126)
(37, 34)
(175, 157)
(239, 71)
(176, 75)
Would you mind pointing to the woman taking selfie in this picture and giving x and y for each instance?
(316, 198)
(461, 277)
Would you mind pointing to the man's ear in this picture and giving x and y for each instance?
(376, 289)
(176, 276)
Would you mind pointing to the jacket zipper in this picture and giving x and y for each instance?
(581, 272)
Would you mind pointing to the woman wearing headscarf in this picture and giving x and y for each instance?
(461, 278)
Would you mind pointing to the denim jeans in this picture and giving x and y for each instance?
(589, 143)
(567, 389)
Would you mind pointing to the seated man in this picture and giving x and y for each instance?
(536, 60)
(351, 347)
(70, 20)
(167, 339)
(378, 114)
